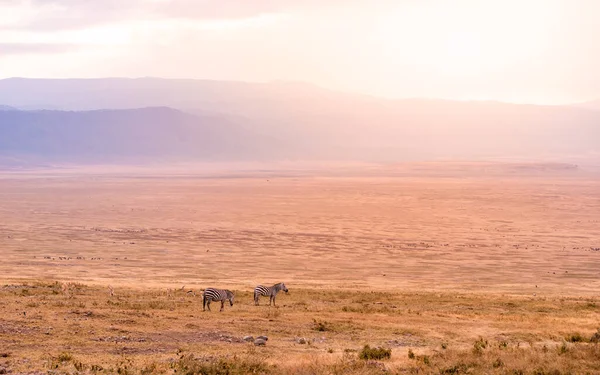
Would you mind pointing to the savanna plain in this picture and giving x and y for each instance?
(438, 268)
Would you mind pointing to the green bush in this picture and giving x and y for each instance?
(575, 337)
(189, 365)
(374, 353)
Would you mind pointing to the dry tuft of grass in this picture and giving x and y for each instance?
(368, 353)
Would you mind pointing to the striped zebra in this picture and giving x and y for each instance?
(212, 294)
(270, 291)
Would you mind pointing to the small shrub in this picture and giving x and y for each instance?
(189, 365)
(79, 366)
(479, 346)
(374, 353)
(348, 364)
(595, 337)
(426, 360)
(575, 337)
(321, 326)
(411, 354)
(125, 367)
(503, 345)
(65, 357)
(563, 349)
(55, 362)
(461, 368)
(444, 345)
(497, 363)
(96, 368)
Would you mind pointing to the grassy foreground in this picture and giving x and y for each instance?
(57, 328)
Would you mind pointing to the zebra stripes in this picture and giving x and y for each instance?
(270, 291)
(212, 294)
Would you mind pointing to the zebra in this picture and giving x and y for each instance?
(271, 291)
(212, 294)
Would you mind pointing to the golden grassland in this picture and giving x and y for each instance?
(84, 329)
(456, 273)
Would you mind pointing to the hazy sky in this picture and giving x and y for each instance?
(542, 51)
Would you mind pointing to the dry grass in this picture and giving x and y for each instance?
(86, 330)
(454, 275)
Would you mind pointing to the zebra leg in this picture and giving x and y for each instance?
(203, 303)
(222, 305)
(256, 297)
(270, 299)
(274, 300)
(208, 304)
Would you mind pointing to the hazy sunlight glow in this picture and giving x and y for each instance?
(527, 51)
(452, 42)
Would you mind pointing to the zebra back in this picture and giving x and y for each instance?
(262, 290)
(213, 294)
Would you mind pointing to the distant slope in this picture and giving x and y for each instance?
(434, 129)
(7, 108)
(125, 93)
(148, 134)
(300, 121)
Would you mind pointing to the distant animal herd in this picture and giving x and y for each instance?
(221, 295)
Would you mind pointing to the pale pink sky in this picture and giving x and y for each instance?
(539, 51)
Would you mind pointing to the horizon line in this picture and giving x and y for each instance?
(577, 104)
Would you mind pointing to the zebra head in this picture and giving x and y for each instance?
(230, 297)
(283, 287)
